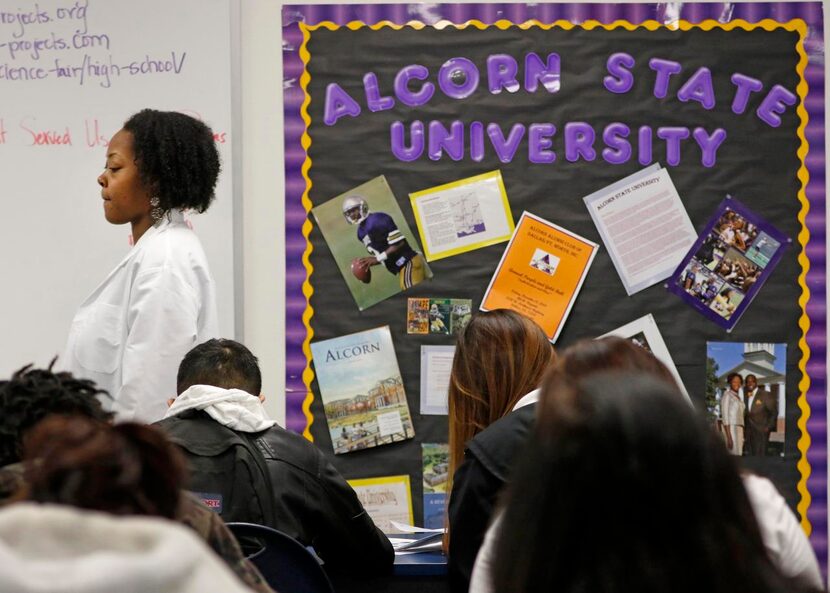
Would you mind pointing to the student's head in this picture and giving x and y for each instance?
(32, 394)
(221, 363)
(500, 356)
(126, 469)
(623, 488)
(159, 154)
(612, 353)
(735, 381)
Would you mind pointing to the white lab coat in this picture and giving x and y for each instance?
(131, 333)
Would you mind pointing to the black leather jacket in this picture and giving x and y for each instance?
(488, 461)
(313, 503)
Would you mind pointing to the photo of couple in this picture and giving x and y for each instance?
(746, 395)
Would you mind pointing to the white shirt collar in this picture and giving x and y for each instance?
(527, 399)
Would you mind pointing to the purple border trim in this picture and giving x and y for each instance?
(295, 215)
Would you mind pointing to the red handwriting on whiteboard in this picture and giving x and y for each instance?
(45, 137)
(93, 134)
(2, 131)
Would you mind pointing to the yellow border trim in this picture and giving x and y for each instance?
(432, 256)
(308, 288)
(797, 25)
(651, 25)
(804, 467)
(401, 479)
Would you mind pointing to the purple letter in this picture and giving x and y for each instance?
(505, 147)
(699, 88)
(579, 140)
(407, 97)
(774, 103)
(664, 69)
(617, 64)
(476, 141)
(673, 136)
(458, 78)
(619, 149)
(373, 99)
(644, 149)
(338, 104)
(538, 138)
(709, 144)
(746, 86)
(536, 71)
(451, 142)
(399, 149)
(501, 73)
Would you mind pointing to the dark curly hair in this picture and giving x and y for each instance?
(176, 158)
(126, 469)
(32, 394)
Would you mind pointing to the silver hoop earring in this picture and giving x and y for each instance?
(156, 213)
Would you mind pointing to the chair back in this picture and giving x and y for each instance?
(286, 564)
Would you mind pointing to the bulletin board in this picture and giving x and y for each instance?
(342, 131)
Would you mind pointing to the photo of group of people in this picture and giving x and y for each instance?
(728, 264)
(745, 394)
(734, 230)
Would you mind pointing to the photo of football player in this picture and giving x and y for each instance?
(436, 320)
(384, 241)
(364, 227)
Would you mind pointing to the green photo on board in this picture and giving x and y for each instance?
(374, 248)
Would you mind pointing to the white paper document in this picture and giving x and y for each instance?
(436, 366)
(645, 333)
(644, 226)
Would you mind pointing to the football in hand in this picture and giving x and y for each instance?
(361, 271)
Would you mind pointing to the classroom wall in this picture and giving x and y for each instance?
(263, 199)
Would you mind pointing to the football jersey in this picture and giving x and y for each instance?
(711, 291)
(377, 233)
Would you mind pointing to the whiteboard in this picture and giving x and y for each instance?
(71, 72)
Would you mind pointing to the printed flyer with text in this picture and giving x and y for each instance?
(540, 273)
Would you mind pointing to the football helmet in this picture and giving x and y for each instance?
(355, 209)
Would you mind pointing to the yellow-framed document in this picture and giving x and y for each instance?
(386, 499)
(463, 215)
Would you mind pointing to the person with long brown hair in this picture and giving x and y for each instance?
(624, 489)
(783, 541)
(500, 359)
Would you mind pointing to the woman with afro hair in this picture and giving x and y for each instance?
(131, 333)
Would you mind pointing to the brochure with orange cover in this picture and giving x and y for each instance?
(540, 273)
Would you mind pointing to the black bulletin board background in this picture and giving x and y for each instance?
(757, 164)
